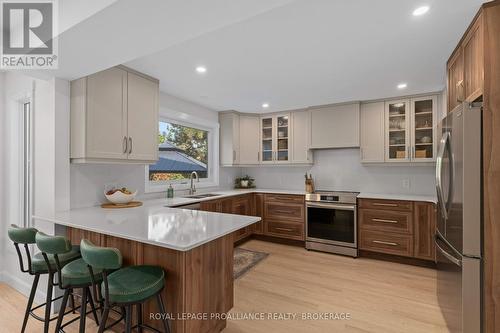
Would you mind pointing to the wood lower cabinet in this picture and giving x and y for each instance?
(282, 215)
(284, 229)
(241, 205)
(387, 221)
(259, 211)
(384, 242)
(403, 228)
(425, 214)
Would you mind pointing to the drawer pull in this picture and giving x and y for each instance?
(284, 229)
(385, 243)
(384, 221)
(282, 211)
(385, 204)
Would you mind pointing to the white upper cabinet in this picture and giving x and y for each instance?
(301, 136)
(143, 125)
(275, 137)
(411, 129)
(229, 139)
(424, 128)
(249, 144)
(114, 117)
(372, 118)
(252, 139)
(105, 115)
(335, 126)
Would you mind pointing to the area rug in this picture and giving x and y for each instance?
(244, 260)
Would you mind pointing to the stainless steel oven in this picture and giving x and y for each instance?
(331, 222)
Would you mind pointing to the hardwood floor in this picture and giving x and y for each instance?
(379, 296)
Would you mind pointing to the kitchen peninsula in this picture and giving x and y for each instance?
(194, 247)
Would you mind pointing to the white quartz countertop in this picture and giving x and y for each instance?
(186, 200)
(153, 223)
(406, 197)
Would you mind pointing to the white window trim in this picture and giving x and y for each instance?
(185, 119)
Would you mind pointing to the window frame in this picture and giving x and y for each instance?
(212, 179)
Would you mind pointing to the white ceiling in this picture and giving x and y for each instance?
(288, 53)
(123, 30)
(315, 52)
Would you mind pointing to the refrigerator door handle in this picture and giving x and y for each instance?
(439, 181)
(448, 256)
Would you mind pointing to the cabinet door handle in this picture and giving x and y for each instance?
(124, 145)
(130, 144)
(279, 211)
(459, 91)
(258, 156)
(384, 221)
(384, 204)
(234, 155)
(385, 243)
(283, 229)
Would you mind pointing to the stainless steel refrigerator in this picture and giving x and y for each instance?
(458, 236)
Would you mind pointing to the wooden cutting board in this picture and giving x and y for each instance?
(127, 205)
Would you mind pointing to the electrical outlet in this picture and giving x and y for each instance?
(406, 183)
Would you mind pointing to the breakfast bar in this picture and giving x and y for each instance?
(195, 248)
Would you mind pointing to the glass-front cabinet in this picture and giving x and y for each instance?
(424, 128)
(397, 136)
(410, 130)
(275, 143)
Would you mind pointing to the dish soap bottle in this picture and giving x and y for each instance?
(170, 192)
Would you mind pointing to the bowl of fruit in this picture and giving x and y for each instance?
(120, 196)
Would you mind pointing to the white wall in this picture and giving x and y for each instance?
(341, 170)
(48, 179)
(87, 180)
(2, 179)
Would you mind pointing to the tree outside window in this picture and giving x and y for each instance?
(182, 149)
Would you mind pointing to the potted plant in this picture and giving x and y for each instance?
(244, 182)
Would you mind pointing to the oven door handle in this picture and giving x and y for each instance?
(331, 206)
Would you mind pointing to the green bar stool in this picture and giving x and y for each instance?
(36, 266)
(125, 287)
(73, 275)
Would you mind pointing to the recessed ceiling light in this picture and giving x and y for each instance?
(265, 105)
(420, 10)
(201, 69)
(402, 85)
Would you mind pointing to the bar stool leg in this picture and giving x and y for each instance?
(83, 310)
(104, 319)
(92, 305)
(72, 300)
(30, 301)
(62, 309)
(128, 319)
(139, 317)
(161, 306)
(48, 303)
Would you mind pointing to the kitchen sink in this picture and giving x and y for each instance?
(202, 196)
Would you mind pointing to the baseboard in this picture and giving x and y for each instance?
(24, 287)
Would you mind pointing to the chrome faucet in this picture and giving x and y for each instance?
(192, 189)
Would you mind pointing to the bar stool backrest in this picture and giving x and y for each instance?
(24, 236)
(105, 258)
(53, 245)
